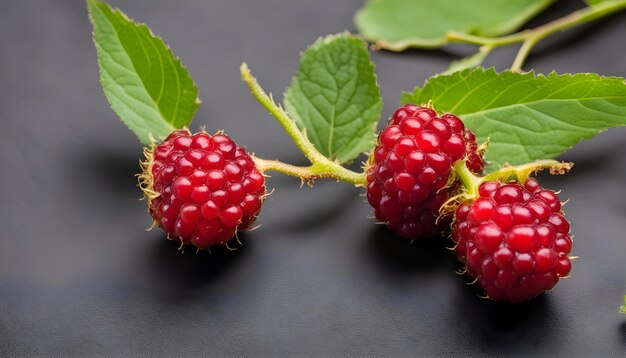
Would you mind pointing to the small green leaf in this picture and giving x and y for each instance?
(622, 309)
(399, 24)
(526, 116)
(145, 84)
(334, 97)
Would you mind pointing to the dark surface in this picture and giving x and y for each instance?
(79, 275)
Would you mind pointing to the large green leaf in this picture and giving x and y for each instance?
(527, 116)
(400, 24)
(145, 84)
(334, 97)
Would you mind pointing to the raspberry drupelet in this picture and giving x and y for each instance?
(514, 239)
(201, 188)
(408, 175)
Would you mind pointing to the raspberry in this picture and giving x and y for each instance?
(408, 173)
(514, 240)
(201, 188)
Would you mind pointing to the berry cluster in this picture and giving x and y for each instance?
(408, 173)
(513, 239)
(202, 188)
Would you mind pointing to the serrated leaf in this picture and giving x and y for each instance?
(526, 116)
(334, 97)
(148, 88)
(400, 24)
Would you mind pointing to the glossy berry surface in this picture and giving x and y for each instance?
(408, 173)
(202, 188)
(513, 239)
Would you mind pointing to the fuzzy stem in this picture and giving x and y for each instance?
(532, 36)
(520, 173)
(321, 166)
(288, 124)
(470, 181)
(312, 172)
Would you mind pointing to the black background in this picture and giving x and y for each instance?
(79, 275)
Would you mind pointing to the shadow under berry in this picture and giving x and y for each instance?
(186, 273)
(500, 326)
(398, 256)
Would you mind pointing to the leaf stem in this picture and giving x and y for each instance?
(523, 53)
(459, 37)
(531, 37)
(470, 181)
(312, 172)
(520, 173)
(321, 166)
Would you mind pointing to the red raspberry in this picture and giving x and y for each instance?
(513, 239)
(201, 188)
(408, 173)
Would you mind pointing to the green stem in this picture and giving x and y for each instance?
(523, 53)
(312, 172)
(531, 37)
(520, 173)
(470, 181)
(485, 49)
(453, 36)
(321, 166)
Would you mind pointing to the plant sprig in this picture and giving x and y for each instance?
(321, 166)
(334, 102)
(381, 14)
(530, 38)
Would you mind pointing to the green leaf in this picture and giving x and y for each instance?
(399, 24)
(145, 84)
(622, 309)
(526, 116)
(334, 97)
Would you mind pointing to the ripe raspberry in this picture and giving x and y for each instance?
(409, 170)
(513, 239)
(201, 188)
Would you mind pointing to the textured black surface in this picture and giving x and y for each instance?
(79, 275)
